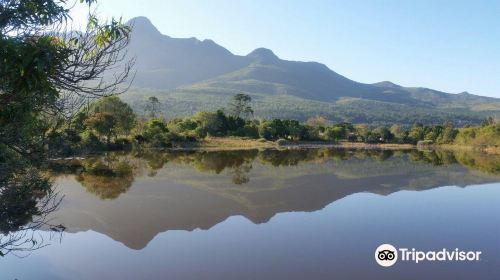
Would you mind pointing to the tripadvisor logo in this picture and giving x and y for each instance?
(387, 255)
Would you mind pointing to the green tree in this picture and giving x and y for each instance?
(362, 131)
(240, 106)
(209, 123)
(123, 114)
(398, 132)
(488, 121)
(334, 133)
(272, 130)
(294, 130)
(104, 124)
(44, 74)
(153, 106)
(157, 133)
(448, 134)
(417, 133)
(382, 134)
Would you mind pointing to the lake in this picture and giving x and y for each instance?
(270, 214)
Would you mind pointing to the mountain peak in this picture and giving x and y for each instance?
(143, 26)
(388, 84)
(263, 55)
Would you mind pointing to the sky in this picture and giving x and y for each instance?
(452, 46)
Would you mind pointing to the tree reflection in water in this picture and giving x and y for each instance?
(112, 174)
(108, 176)
(199, 189)
(27, 196)
(26, 200)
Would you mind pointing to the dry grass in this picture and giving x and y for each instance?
(228, 143)
(234, 143)
(378, 146)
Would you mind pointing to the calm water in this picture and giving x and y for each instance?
(311, 214)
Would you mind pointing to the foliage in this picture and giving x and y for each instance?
(153, 106)
(186, 102)
(240, 106)
(121, 111)
(47, 72)
(104, 124)
(107, 177)
(485, 136)
(156, 133)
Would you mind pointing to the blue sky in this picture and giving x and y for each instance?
(452, 46)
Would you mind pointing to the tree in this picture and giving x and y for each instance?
(398, 132)
(334, 133)
(123, 114)
(153, 106)
(271, 130)
(362, 132)
(104, 124)
(382, 134)
(417, 133)
(294, 130)
(209, 123)
(240, 107)
(317, 122)
(448, 134)
(48, 73)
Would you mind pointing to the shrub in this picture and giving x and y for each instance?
(251, 130)
(333, 133)
(91, 142)
(267, 131)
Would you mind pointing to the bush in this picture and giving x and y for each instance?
(173, 137)
(333, 133)
(266, 131)
(486, 136)
(251, 131)
(62, 144)
(91, 142)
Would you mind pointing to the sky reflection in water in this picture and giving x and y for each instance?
(316, 214)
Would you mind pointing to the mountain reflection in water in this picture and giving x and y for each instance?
(133, 197)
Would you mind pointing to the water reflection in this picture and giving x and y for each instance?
(106, 177)
(133, 197)
(26, 200)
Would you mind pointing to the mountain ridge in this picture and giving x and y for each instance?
(200, 69)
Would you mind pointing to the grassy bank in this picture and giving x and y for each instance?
(241, 143)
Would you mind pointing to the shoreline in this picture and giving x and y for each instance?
(235, 143)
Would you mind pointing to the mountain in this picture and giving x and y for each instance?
(198, 190)
(163, 62)
(189, 75)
